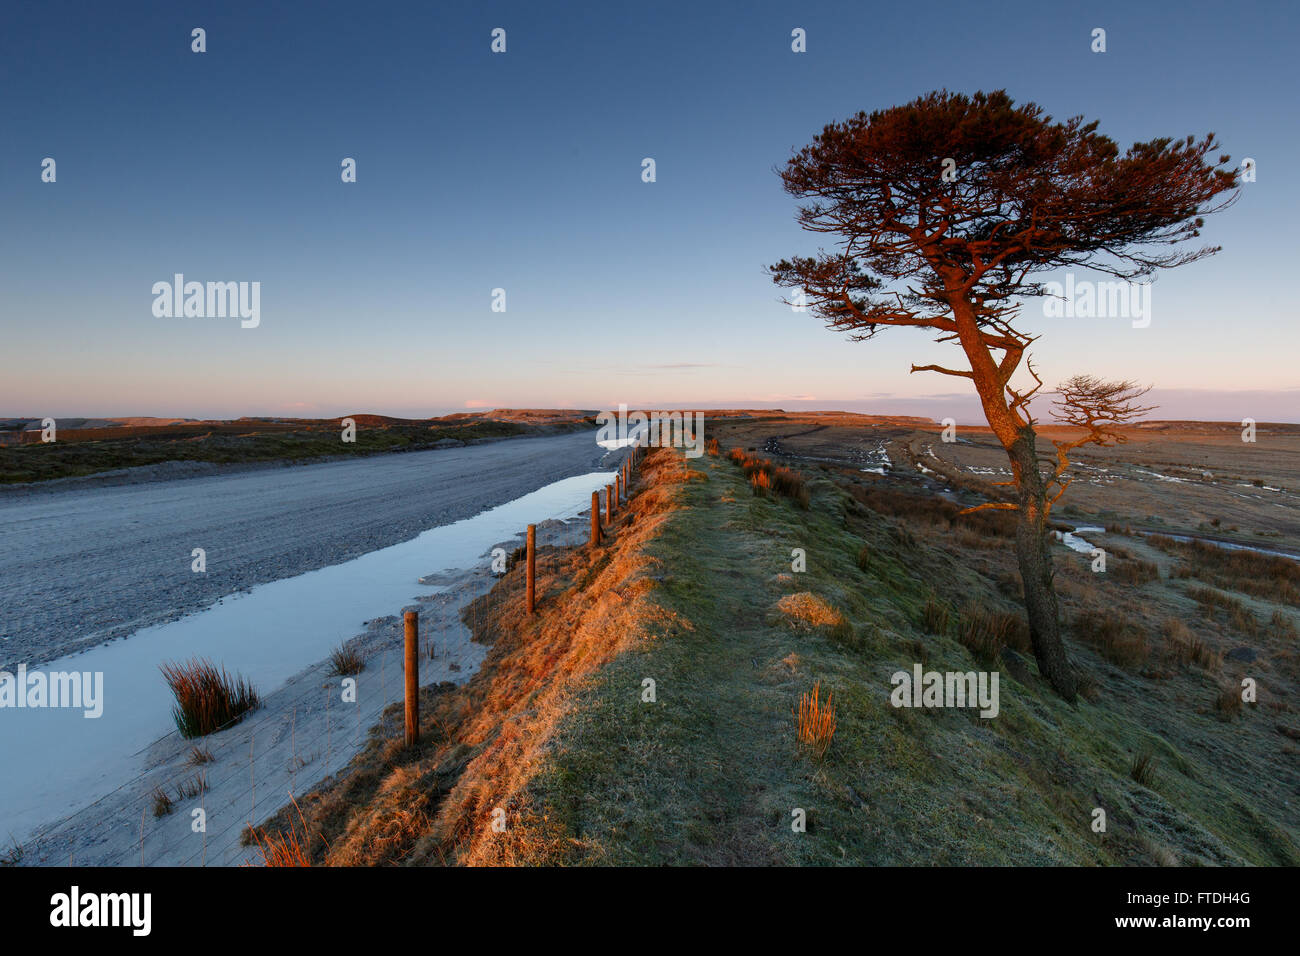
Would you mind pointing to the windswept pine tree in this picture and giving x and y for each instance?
(944, 210)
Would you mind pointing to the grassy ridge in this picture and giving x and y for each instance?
(712, 773)
(697, 593)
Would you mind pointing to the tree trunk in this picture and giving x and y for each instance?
(1036, 572)
(1017, 437)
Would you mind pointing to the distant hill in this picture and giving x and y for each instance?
(573, 416)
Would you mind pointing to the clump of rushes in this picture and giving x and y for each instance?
(815, 722)
(935, 615)
(1121, 639)
(1136, 572)
(765, 477)
(280, 849)
(1184, 647)
(1143, 769)
(190, 789)
(864, 557)
(346, 661)
(1228, 703)
(162, 802)
(984, 633)
(207, 698)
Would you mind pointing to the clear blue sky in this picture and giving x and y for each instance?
(523, 171)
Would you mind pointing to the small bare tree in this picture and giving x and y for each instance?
(1101, 409)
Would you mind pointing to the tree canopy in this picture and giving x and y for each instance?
(971, 196)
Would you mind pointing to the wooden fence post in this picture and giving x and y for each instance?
(595, 518)
(618, 488)
(532, 567)
(609, 503)
(412, 620)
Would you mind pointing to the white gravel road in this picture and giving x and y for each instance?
(82, 563)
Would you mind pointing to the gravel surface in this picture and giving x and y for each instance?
(81, 564)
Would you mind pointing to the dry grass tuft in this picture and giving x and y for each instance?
(1228, 703)
(346, 661)
(986, 632)
(815, 722)
(936, 615)
(1283, 626)
(284, 848)
(196, 786)
(1121, 640)
(864, 558)
(1135, 572)
(1183, 647)
(765, 477)
(806, 611)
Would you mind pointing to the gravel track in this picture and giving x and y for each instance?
(83, 564)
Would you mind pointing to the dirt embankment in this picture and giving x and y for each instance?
(444, 800)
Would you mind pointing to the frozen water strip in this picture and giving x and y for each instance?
(57, 760)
